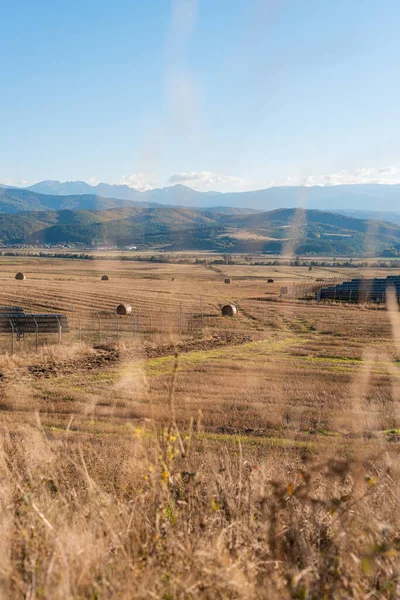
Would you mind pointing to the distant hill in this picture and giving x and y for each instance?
(174, 228)
(354, 197)
(375, 215)
(14, 200)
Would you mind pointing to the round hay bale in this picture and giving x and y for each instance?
(228, 280)
(229, 310)
(123, 309)
(270, 280)
(20, 276)
(105, 278)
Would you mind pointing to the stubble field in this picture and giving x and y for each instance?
(182, 454)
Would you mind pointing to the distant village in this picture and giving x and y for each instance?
(67, 246)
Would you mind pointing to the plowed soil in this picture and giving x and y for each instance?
(105, 356)
(216, 341)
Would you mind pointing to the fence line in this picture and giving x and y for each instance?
(104, 326)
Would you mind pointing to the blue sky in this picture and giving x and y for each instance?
(216, 94)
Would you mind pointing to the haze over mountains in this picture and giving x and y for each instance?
(355, 196)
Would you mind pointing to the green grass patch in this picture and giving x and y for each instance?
(250, 350)
(393, 431)
(324, 432)
(258, 441)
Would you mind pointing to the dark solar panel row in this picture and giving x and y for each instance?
(361, 290)
(11, 310)
(30, 323)
(14, 318)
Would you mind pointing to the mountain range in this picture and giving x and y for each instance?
(164, 218)
(354, 197)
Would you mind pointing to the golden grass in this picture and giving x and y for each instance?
(256, 469)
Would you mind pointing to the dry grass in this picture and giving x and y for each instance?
(160, 514)
(262, 466)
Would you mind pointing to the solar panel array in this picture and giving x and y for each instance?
(14, 318)
(361, 290)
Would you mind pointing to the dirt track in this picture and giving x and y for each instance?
(105, 356)
(216, 341)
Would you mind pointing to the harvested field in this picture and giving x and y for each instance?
(254, 457)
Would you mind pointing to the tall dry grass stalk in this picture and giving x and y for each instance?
(163, 513)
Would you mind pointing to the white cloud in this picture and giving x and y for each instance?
(12, 183)
(139, 181)
(93, 181)
(383, 175)
(208, 180)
